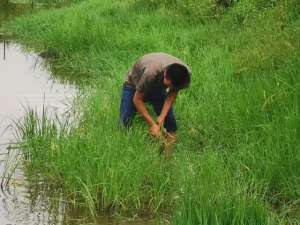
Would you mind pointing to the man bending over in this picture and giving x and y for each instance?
(155, 78)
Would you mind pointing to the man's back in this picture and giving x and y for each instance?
(149, 68)
(155, 78)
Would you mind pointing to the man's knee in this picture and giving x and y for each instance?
(126, 119)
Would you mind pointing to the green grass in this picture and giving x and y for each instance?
(42, 1)
(237, 157)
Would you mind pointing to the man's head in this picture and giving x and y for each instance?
(177, 76)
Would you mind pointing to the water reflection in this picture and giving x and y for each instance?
(25, 82)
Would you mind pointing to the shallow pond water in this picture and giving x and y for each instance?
(25, 82)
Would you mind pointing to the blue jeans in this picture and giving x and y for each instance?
(156, 99)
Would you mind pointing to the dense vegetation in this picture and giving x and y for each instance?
(36, 1)
(237, 157)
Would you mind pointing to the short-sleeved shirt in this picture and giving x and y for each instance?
(147, 74)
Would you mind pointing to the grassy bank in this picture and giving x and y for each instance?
(237, 157)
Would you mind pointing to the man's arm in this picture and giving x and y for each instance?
(167, 105)
(141, 108)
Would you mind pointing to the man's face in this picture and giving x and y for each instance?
(167, 82)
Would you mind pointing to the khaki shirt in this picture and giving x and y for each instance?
(147, 74)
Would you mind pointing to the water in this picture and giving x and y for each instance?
(26, 82)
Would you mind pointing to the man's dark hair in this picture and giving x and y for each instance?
(179, 75)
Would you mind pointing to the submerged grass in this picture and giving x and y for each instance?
(237, 157)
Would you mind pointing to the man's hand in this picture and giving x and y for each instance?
(160, 121)
(155, 130)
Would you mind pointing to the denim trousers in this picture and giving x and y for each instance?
(155, 98)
